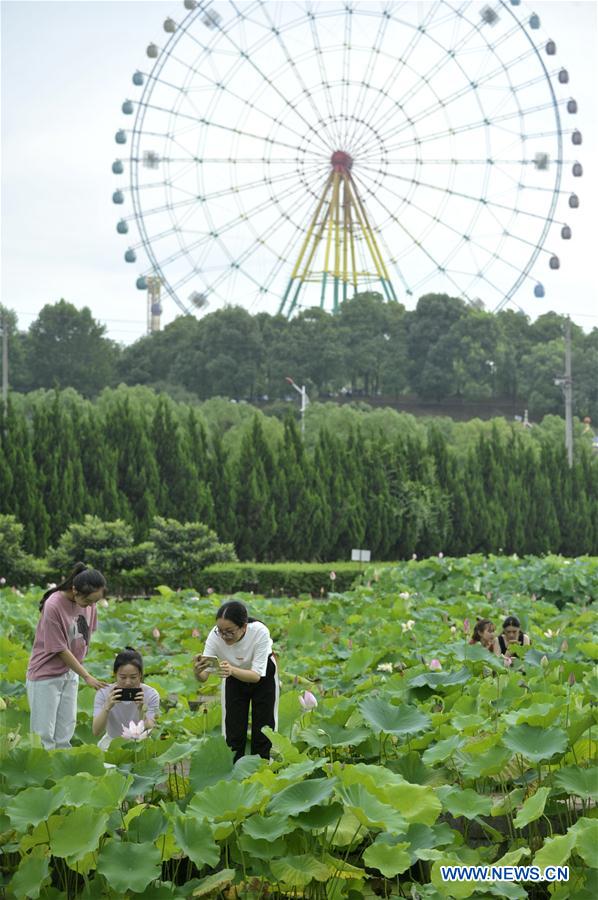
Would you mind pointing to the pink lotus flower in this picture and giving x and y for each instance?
(333, 576)
(195, 633)
(210, 591)
(2, 581)
(103, 603)
(307, 700)
(156, 633)
(435, 665)
(135, 731)
(466, 626)
(414, 556)
(441, 555)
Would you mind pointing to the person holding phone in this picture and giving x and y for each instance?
(129, 700)
(67, 621)
(247, 667)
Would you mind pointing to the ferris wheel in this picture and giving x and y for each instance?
(289, 155)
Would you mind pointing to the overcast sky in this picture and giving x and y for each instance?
(66, 69)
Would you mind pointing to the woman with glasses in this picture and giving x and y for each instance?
(247, 668)
(68, 618)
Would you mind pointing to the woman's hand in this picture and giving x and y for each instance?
(112, 698)
(95, 683)
(200, 666)
(225, 669)
(139, 698)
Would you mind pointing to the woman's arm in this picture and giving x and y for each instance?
(73, 663)
(101, 717)
(247, 675)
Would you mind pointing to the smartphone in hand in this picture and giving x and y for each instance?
(210, 663)
(128, 693)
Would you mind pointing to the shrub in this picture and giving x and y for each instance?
(16, 566)
(178, 552)
(279, 579)
(107, 546)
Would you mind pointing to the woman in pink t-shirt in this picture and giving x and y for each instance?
(68, 617)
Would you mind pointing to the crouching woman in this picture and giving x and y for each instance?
(127, 701)
(247, 667)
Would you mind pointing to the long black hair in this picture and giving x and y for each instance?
(235, 612)
(511, 622)
(128, 657)
(85, 581)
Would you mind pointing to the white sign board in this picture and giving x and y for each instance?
(361, 555)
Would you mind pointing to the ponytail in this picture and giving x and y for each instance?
(83, 580)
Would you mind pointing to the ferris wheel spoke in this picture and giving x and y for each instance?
(363, 90)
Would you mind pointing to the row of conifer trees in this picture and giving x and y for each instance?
(132, 457)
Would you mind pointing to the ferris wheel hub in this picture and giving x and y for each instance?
(341, 161)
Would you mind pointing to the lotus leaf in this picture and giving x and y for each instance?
(39, 835)
(578, 781)
(330, 734)
(284, 747)
(440, 679)
(385, 717)
(76, 760)
(415, 802)
(298, 871)
(260, 848)
(31, 876)
(176, 752)
(390, 859)
(492, 762)
(110, 790)
(197, 841)
(247, 766)
(319, 817)
(212, 761)
(458, 890)
(84, 865)
(268, 827)
(129, 867)
(79, 833)
(33, 806)
(586, 840)
(466, 803)
(442, 750)
(300, 797)
(24, 768)
(360, 661)
(213, 883)
(146, 827)
(532, 809)
(76, 788)
(369, 811)
(340, 868)
(556, 851)
(227, 800)
(535, 743)
(589, 649)
(536, 714)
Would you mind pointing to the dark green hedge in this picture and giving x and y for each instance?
(279, 579)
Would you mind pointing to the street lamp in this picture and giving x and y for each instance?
(304, 401)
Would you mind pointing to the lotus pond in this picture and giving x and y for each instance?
(423, 751)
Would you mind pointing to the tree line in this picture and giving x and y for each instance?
(379, 480)
(442, 350)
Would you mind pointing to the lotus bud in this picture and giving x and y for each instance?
(404, 595)
(2, 581)
(466, 626)
(453, 629)
(565, 645)
(156, 633)
(307, 700)
(441, 555)
(435, 665)
(508, 661)
(2, 703)
(544, 662)
(103, 603)
(210, 591)
(195, 633)
(333, 576)
(571, 679)
(414, 556)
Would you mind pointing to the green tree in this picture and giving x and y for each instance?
(66, 347)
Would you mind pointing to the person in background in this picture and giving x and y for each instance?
(111, 712)
(248, 670)
(511, 636)
(484, 633)
(68, 619)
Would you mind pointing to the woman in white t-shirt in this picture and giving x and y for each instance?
(129, 700)
(247, 667)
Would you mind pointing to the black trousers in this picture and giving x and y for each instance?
(238, 696)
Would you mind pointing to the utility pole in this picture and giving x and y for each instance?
(566, 382)
(304, 401)
(4, 321)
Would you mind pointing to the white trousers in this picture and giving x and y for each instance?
(53, 705)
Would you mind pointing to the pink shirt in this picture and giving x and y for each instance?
(59, 628)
